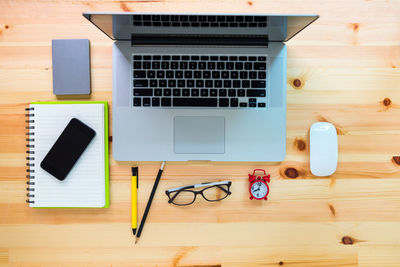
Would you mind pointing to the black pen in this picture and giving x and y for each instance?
(153, 191)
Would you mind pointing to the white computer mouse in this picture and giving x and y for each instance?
(323, 149)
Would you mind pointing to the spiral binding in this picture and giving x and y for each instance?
(30, 171)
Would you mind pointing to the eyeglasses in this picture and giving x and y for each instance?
(183, 196)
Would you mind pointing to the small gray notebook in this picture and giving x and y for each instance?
(71, 67)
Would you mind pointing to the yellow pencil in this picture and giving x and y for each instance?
(135, 185)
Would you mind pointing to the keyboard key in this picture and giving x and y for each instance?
(192, 18)
(234, 74)
(242, 58)
(181, 83)
(137, 101)
(205, 24)
(262, 58)
(190, 83)
(239, 18)
(156, 57)
(248, 66)
(155, 65)
(224, 102)
(212, 18)
(137, 57)
(183, 18)
(174, 18)
(185, 92)
(188, 74)
(214, 58)
(225, 74)
(243, 105)
(166, 101)
(174, 65)
(176, 58)
(262, 75)
(167, 92)
(236, 84)
(206, 74)
(229, 65)
(146, 102)
(220, 65)
(171, 83)
(211, 65)
(185, 57)
(252, 100)
(140, 83)
(151, 74)
(153, 83)
(183, 65)
(164, 18)
(233, 58)
(245, 83)
(252, 58)
(157, 24)
(215, 74)
(195, 102)
(241, 93)
(213, 92)
(194, 57)
(252, 24)
(204, 92)
(137, 65)
(160, 74)
(217, 83)
(166, 57)
(195, 92)
(199, 83)
(137, 23)
(165, 65)
(243, 75)
(227, 83)
(178, 74)
(202, 65)
(202, 18)
(222, 92)
(255, 93)
(155, 102)
(204, 58)
(238, 65)
(155, 17)
(147, 57)
(260, 66)
(260, 18)
(197, 74)
(253, 75)
(146, 65)
(185, 24)
(223, 58)
(261, 105)
(169, 74)
(231, 92)
(157, 92)
(252, 105)
(258, 84)
(176, 92)
(234, 102)
(192, 65)
(209, 83)
(243, 24)
(139, 74)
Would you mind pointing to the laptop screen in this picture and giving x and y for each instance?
(200, 28)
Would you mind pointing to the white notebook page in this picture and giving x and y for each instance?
(84, 186)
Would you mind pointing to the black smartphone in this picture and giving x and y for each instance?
(67, 149)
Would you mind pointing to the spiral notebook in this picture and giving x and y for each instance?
(86, 186)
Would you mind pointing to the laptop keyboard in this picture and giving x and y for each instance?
(211, 81)
(200, 21)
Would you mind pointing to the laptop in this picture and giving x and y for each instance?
(199, 86)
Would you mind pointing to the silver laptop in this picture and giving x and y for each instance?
(199, 86)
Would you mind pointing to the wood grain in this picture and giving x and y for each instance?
(344, 69)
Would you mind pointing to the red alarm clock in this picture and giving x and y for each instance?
(259, 188)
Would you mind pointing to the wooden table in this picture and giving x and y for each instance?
(344, 69)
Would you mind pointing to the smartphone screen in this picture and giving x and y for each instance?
(67, 149)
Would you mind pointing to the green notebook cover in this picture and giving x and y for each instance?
(106, 157)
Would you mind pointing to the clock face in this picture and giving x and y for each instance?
(259, 189)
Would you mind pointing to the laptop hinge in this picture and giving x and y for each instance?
(231, 40)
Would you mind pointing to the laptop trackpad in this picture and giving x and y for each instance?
(199, 135)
